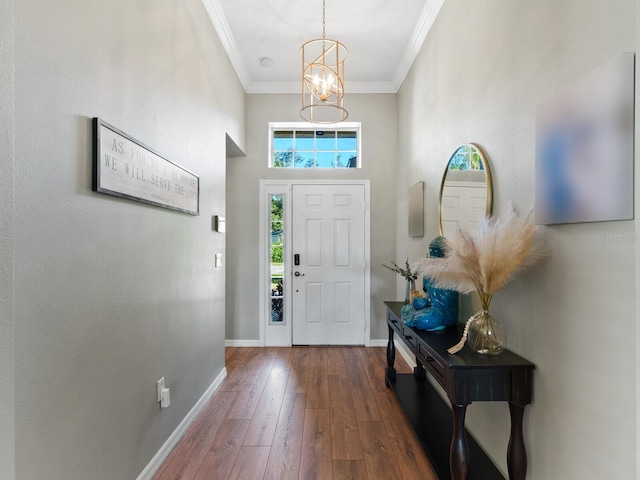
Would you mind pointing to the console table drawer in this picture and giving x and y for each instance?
(410, 337)
(431, 363)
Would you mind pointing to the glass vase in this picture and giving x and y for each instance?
(410, 287)
(486, 335)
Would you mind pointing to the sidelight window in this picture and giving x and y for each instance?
(277, 259)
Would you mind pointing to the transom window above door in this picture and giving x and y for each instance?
(303, 145)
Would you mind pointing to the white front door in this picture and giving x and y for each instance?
(328, 245)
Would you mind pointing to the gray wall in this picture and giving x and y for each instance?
(574, 315)
(7, 343)
(378, 114)
(111, 294)
(637, 243)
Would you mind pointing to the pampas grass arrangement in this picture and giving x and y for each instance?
(487, 258)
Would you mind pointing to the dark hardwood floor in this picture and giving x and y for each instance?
(301, 413)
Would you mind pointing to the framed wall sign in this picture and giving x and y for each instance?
(125, 167)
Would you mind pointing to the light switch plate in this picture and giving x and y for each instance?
(159, 388)
(165, 398)
(219, 223)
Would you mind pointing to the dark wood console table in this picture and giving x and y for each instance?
(466, 377)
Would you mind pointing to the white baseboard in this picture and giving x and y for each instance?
(242, 343)
(157, 460)
(381, 342)
(405, 353)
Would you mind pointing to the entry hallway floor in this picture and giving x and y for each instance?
(301, 413)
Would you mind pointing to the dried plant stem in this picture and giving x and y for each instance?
(485, 299)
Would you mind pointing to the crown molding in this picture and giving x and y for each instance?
(219, 21)
(216, 14)
(425, 22)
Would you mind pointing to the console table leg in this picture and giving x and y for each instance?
(516, 453)
(390, 371)
(459, 455)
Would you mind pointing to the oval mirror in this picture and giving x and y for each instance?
(466, 192)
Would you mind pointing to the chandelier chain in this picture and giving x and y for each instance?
(324, 19)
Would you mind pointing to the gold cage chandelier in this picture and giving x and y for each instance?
(323, 78)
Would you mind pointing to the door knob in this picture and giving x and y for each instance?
(298, 274)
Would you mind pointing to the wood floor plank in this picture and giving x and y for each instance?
(284, 458)
(411, 460)
(349, 470)
(345, 438)
(265, 418)
(250, 464)
(394, 419)
(379, 456)
(197, 441)
(245, 375)
(283, 357)
(221, 457)
(363, 402)
(335, 361)
(315, 459)
(299, 375)
(318, 384)
(232, 360)
(374, 369)
(248, 399)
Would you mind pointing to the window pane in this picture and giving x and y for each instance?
(276, 233)
(347, 141)
(282, 159)
(282, 140)
(325, 140)
(276, 208)
(277, 310)
(305, 160)
(347, 160)
(304, 141)
(326, 159)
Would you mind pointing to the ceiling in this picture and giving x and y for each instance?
(383, 38)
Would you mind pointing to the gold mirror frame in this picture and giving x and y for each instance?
(487, 177)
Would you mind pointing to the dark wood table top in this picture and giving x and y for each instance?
(441, 340)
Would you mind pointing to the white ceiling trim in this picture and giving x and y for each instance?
(216, 14)
(425, 22)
